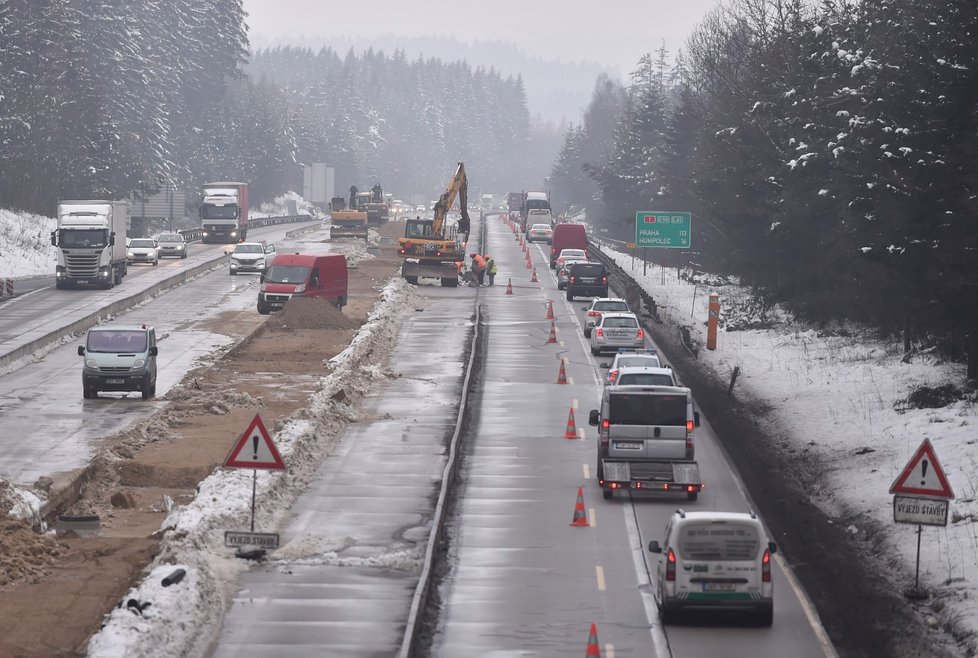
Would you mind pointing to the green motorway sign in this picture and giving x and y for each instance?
(669, 230)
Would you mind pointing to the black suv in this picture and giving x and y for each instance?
(587, 280)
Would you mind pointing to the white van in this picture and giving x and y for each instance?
(119, 358)
(714, 560)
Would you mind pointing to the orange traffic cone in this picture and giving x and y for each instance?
(534, 279)
(571, 431)
(553, 333)
(593, 650)
(509, 287)
(562, 375)
(580, 514)
(529, 263)
(550, 310)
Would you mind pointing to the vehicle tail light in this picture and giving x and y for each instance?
(640, 334)
(603, 433)
(598, 332)
(593, 314)
(605, 424)
(689, 427)
(604, 279)
(572, 279)
(671, 565)
(766, 566)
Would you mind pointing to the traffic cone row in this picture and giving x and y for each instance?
(553, 333)
(562, 374)
(571, 431)
(580, 514)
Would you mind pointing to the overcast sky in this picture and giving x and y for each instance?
(613, 32)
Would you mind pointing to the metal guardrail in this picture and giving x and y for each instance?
(195, 234)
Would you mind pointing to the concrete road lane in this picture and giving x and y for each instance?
(42, 403)
(342, 583)
(525, 582)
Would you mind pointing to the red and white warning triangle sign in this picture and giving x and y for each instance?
(255, 449)
(923, 475)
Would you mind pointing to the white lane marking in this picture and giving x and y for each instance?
(658, 634)
(592, 518)
(587, 472)
(609, 650)
(574, 404)
(599, 572)
(808, 608)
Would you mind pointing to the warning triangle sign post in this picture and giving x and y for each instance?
(923, 475)
(255, 449)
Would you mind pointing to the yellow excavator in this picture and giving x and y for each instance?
(348, 222)
(432, 247)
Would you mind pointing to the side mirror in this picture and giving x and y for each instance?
(270, 249)
(154, 350)
(593, 417)
(696, 418)
(261, 279)
(112, 238)
(584, 308)
(54, 238)
(654, 547)
(771, 546)
(604, 365)
(81, 351)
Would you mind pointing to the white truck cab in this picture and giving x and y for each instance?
(119, 358)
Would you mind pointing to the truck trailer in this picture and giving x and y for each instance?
(224, 212)
(91, 242)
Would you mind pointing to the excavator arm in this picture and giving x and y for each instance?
(459, 186)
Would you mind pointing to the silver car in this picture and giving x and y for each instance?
(172, 244)
(648, 358)
(563, 273)
(601, 305)
(616, 330)
(643, 377)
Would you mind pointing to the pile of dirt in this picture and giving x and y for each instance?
(25, 556)
(310, 313)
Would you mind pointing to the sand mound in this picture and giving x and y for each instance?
(310, 313)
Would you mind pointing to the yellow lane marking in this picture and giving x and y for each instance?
(599, 570)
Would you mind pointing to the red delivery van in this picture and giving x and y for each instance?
(567, 236)
(306, 275)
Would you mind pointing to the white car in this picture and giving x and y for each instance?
(570, 254)
(616, 330)
(714, 560)
(143, 250)
(249, 257)
(631, 359)
(601, 305)
(172, 244)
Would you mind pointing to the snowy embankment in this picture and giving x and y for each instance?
(843, 397)
(25, 245)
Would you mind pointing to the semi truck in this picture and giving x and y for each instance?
(224, 212)
(91, 242)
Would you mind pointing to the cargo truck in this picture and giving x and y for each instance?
(91, 242)
(224, 212)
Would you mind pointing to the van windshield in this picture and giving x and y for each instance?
(287, 274)
(639, 409)
(122, 340)
(719, 541)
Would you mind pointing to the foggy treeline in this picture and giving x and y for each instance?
(828, 153)
(405, 124)
(103, 99)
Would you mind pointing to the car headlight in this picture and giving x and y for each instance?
(90, 363)
(300, 288)
(138, 363)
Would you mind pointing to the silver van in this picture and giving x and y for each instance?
(119, 358)
(645, 439)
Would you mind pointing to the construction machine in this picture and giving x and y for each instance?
(433, 247)
(348, 222)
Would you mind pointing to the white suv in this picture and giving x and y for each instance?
(638, 376)
(648, 358)
(616, 330)
(714, 560)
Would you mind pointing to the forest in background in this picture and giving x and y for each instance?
(106, 99)
(827, 152)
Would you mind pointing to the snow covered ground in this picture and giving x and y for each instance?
(842, 396)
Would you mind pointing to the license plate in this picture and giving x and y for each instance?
(115, 381)
(585, 279)
(618, 334)
(628, 445)
(82, 281)
(719, 587)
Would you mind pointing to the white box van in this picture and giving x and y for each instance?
(714, 560)
(119, 358)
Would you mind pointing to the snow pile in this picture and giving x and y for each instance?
(280, 207)
(194, 534)
(26, 240)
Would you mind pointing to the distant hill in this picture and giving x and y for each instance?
(556, 91)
